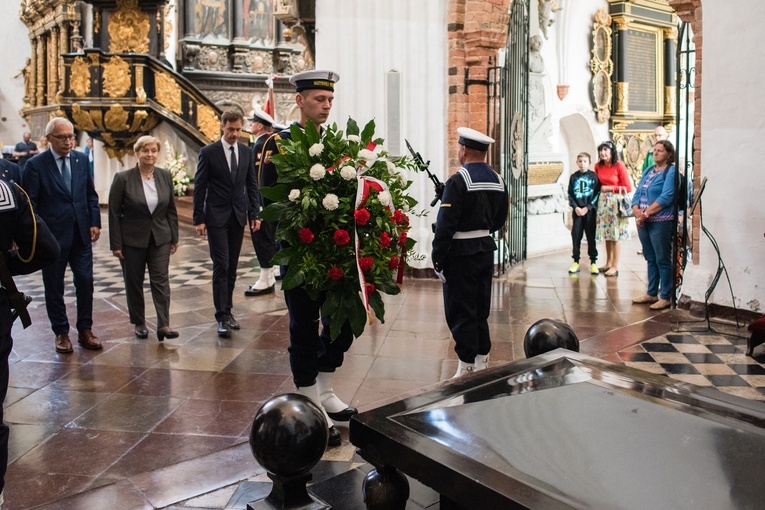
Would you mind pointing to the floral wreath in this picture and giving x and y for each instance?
(341, 203)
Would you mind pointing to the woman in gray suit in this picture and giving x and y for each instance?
(143, 231)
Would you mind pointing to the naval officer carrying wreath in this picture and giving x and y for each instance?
(474, 204)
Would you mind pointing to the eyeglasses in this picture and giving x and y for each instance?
(61, 138)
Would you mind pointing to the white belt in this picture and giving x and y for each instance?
(472, 234)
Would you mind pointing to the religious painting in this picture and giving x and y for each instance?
(258, 21)
(211, 18)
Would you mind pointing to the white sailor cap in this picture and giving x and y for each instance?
(324, 80)
(279, 127)
(473, 139)
(262, 117)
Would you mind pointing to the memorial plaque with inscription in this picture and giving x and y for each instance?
(642, 53)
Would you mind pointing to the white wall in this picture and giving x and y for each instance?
(15, 51)
(733, 128)
(362, 40)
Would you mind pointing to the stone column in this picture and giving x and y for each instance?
(188, 19)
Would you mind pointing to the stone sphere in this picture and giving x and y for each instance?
(547, 335)
(289, 435)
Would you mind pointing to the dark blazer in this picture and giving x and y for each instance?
(10, 171)
(130, 222)
(52, 201)
(218, 191)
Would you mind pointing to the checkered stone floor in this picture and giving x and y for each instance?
(108, 282)
(703, 359)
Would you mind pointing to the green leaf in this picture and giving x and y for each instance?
(388, 286)
(369, 131)
(283, 256)
(354, 309)
(311, 133)
(275, 211)
(275, 193)
(293, 278)
(351, 128)
(376, 302)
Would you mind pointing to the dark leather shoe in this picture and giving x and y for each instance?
(344, 415)
(223, 330)
(232, 322)
(259, 292)
(63, 344)
(166, 332)
(141, 331)
(88, 340)
(335, 439)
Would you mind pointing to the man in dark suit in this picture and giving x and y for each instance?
(225, 172)
(60, 187)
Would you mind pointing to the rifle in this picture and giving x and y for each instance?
(424, 166)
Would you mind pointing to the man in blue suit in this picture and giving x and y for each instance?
(225, 172)
(61, 190)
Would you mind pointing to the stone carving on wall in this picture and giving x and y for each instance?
(536, 62)
(79, 80)
(116, 77)
(168, 92)
(259, 62)
(547, 9)
(212, 58)
(518, 148)
(128, 28)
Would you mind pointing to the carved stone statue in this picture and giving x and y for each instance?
(546, 10)
(536, 62)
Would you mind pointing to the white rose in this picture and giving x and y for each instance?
(402, 178)
(391, 168)
(348, 172)
(316, 149)
(353, 138)
(317, 172)
(384, 198)
(294, 194)
(405, 207)
(330, 202)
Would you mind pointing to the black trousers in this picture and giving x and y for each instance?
(312, 352)
(264, 243)
(225, 244)
(467, 302)
(6, 345)
(584, 224)
(134, 265)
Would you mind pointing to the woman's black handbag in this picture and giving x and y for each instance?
(624, 206)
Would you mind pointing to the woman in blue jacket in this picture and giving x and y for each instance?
(653, 205)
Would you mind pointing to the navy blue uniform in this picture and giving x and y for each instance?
(264, 240)
(474, 204)
(9, 171)
(311, 352)
(584, 191)
(17, 226)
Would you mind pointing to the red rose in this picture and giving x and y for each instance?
(398, 217)
(384, 240)
(366, 263)
(393, 264)
(335, 273)
(342, 237)
(361, 216)
(405, 221)
(306, 235)
(371, 288)
(402, 239)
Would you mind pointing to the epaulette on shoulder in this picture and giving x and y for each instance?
(7, 198)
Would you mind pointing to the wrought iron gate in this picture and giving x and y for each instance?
(682, 247)
(508, 124)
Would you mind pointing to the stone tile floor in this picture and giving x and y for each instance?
(165, 425)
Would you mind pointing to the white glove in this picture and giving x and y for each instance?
(441, 276)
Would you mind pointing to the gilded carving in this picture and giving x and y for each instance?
(116, 78)
(622, 97)
(670, 33)
(168, 92)
(128, 28)
(621, 24)
(82, 119)
(208, 122)
(602, 65)
(140, 92)
(116, 118)
(669, 100)
(138, 118)
(79, 77)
